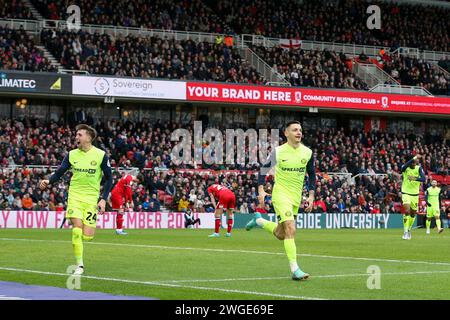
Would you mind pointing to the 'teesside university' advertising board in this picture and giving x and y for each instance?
(175, 220)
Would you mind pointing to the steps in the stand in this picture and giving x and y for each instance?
(50, 57)
(33, 10)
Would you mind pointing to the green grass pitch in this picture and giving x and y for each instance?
(185, 264)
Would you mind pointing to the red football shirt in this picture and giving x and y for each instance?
(217, 190)
(123, 188)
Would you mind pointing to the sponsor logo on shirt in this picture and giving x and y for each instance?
(88, 171)
(294, 169)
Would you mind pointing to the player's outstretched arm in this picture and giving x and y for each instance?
(441, 194)
(426, 199)
(213, 200)
(408, 163)
(265, 168)
(106, 169)
(65, 165)
(311, 170)
(421, 177)
(128, 190)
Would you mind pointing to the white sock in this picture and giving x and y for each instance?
(294, 266)
(119, 230)
(260, 221)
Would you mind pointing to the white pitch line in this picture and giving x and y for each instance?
(3, 297)
(153, 283)
(238, 251)
(312, 277)
(376, 259)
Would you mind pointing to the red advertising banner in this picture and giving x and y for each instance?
(296, 96)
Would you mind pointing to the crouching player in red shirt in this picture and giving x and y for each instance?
(122, 196)
(226, 200)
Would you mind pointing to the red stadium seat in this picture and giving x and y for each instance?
(441, 179)
(161, 195)
(168, 200)
(398, 207)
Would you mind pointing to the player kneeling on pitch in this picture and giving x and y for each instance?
(87, 164)
(121, 196)
(292, 161)
(189, 220)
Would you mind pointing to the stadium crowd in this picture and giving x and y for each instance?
(186, 15)
(329, 69)
(319, 20)
(152, 57)
(415, 72)
(341, 21)
(18, 52)
(145, 146)
(149, 57)
(306, 68)
(14, 9)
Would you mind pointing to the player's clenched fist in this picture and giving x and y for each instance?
(261, 197)
(101, 206)
(310, 204)
(44, 184)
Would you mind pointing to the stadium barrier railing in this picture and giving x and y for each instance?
(422, 54)
(400, 89)
(131, 170)
(351, 179)
(35, 27)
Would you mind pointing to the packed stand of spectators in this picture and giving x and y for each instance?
(357, 152)
(184, 15)
(128, 144)
(324, 69)
(19, 191)
(18, 52)
(148, 146)
(14, 9)
(415, 72)
(149, 57)
(342, 21)
(187, 190)
(445, 64)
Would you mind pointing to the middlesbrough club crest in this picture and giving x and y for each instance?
(385, 102)
(298, 96)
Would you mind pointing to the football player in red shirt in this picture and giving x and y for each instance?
(122, 196)
(226, 200)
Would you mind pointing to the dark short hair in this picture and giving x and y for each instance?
(140, 177)
(90, 131)
(291, 123)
